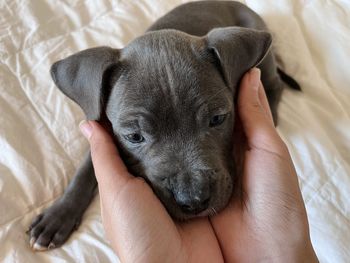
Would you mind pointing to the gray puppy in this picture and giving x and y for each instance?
(169, 96)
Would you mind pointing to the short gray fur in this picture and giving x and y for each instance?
(167, 85)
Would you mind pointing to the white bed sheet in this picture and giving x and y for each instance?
(41, 146)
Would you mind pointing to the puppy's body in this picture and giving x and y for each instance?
(169, 96)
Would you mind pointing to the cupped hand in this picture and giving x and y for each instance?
(269, 223)
(136, 223)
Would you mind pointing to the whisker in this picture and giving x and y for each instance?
(212, 211)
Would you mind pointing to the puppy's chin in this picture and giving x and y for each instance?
(210, 211)
(180, 216)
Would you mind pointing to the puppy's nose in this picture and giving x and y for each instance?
(192, 205)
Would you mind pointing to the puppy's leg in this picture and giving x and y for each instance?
(53, 227)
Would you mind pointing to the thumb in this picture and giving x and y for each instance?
(110, 171)
(255, 114)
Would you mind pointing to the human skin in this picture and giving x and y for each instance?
(268, 224)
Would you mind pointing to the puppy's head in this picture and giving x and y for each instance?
(170, 99)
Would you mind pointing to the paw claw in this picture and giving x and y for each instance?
(32, 241)
(51, 246)
(38, 247)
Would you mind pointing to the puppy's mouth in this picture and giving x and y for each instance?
(210, 211)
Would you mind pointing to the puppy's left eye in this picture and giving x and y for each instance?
(135, 138)
(217, 120)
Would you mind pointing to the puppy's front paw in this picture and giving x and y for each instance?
(53, 227)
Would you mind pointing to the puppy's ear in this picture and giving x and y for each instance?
(237, 50)
(83, 78)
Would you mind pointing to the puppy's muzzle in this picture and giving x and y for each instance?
(191, 192)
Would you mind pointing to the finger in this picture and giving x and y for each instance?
(251, 109)
(254, 111)
(110, 171)
(264, 102)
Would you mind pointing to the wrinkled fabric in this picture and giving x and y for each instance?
(41, 146)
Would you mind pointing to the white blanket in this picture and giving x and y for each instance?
(41, 146)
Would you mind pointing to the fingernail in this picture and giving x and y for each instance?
(85, 128)
(255, 77)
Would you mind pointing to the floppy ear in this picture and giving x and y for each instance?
(82, 77)
(237, 50)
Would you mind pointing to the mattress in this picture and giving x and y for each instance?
(41, 146)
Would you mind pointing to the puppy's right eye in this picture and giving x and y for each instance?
(134, 137)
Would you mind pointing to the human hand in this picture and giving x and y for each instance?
(270, 224)
(136, 223)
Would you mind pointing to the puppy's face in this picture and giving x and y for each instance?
(169, 97)
(172, 114)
